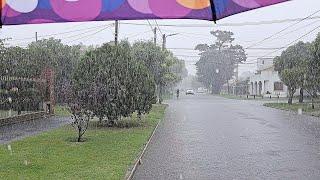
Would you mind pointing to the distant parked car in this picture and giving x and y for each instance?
(189, 92)
(201, 90)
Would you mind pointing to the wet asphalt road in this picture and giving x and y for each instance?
(15, 132)
(205, 137)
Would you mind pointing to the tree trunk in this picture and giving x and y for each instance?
(228, 87)
(301, 96)
(290, 97)
(139, 115)
(160, 94)
(312, 103)
(290, 100)
(79, 135)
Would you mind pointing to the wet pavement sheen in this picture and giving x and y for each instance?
(207, 137)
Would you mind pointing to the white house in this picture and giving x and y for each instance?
(266, 82)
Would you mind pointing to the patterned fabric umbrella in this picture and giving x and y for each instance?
(49, 11)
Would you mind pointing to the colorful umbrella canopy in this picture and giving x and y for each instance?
(49, 11)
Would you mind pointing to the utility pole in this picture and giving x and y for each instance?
(36, 36)
(116, 33)
(155, 36)
(164, 42)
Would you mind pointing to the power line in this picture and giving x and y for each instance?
(148, 24)
(295, 30)
(55, 34)
(256, 23)
(291, 43)
(77, 35)
(137, 34)
(88, 36)
(158, 26)
(282, 30)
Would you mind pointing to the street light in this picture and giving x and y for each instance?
(164, 39)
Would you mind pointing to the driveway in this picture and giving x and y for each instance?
(14, 132)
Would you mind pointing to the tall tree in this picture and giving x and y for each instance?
(111, 84)
(153, 58)
(51, 53)
(312, 83)
(218, 61)
(166, 69)
(292, 67)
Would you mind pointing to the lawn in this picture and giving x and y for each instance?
(306, 107)
(61, 111)
(259, 98)
(107, 153)
(244, 97)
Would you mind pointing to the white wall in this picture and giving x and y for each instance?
(266, 78)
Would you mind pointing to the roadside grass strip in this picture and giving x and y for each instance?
(304, 107)
(107, 153)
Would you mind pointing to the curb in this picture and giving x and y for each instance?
(138, 162)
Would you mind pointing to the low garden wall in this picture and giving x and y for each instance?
(22, 118)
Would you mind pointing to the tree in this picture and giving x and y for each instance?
(172, 72)
(154, 59)
(292, 78)
(98, 77)
(166, 69)
(292, 67)
(51, 53)
(81, 120)
(25, 95)
(312, 81)
(111, 83)
(218, 61)
(145, 87)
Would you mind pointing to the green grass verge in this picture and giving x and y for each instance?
(61, 111)
(258, 98)
(229, 96)
(244, 97)
(306, 107)
(106, 154)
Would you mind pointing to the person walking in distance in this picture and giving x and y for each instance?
(178, 92)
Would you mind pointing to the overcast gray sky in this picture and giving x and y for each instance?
(188, 37)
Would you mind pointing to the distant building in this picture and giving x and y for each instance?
(266, 82)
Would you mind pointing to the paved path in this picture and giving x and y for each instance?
(206, 137)
(18, 131)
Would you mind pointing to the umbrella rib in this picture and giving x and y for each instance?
(213, 10)
(1, 14)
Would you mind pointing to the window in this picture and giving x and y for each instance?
(278, 86)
